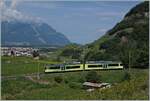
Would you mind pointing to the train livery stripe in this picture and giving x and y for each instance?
(75, 67)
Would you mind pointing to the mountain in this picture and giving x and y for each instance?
(30, 33)
(127, 41)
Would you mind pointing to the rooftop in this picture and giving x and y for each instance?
(96, 85)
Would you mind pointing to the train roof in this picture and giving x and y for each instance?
(103, 62)
(73, 62)
(54, 65)
(88, 62)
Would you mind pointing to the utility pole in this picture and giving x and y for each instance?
(38, 63)
(84, 56)
(129, 60)
(38, 76)
(36, 57)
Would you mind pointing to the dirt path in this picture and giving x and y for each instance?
(35, 80)
(32, 77)
(23, 75)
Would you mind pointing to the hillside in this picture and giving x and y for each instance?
(128, 39)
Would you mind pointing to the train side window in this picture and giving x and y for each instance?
(57, 67)
(121, 64)
(93, 66)
(72, 67)
(112, 64)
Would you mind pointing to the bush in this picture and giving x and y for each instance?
(75, 85)
(81, 79)
(92, 76)
(127, 76)
(58, 79)
(43, 57)
(66, 80)
(35, 53)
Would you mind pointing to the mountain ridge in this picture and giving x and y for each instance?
(15, 32)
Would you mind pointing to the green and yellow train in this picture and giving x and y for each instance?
(99, 65)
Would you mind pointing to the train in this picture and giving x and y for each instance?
(90, 65)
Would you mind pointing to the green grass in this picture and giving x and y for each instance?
(21, 88)
(12, 66)
(71, 86)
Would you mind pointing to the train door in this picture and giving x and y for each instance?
(62, 67)
(104, 66)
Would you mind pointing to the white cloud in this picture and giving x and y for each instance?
(11, 13)
(14, 4)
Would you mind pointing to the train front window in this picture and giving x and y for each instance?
(93, 66)
(72, 67)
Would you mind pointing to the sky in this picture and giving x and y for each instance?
(81, 22)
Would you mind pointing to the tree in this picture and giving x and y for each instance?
(12, 53)
(35, 54)
(58, 79)
(128, 53)
(92, 76)
(72, 51)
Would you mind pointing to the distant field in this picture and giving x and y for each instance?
(12, 66)
(70, 88)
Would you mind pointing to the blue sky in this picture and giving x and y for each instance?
(81, 21)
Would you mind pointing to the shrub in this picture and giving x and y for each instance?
(66, 80)
(127, 76)
(145, 85)
(75, 85)
(92, 76)
(43, 57)
(81, 79)
(8, 97)
(58, 79)
(35, 53)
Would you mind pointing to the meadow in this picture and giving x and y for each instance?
(69, 86)
(15, 66)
